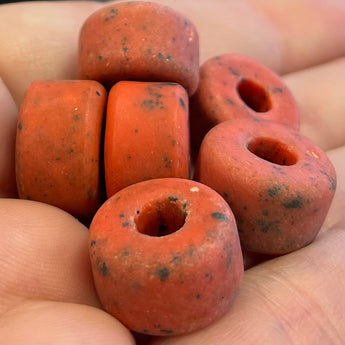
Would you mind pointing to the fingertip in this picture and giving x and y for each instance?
(45, 255)
(61, 323)
(39, 41)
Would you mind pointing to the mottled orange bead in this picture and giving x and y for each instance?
(139, 41)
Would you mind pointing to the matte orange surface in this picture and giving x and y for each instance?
(58, 144)
(165, 256)
(277, 182)
(146, 133)
(235, 86)
(139, 41)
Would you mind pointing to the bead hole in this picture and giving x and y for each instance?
(161, 218)
(254, 96)
(272, 151)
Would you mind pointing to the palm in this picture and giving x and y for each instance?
(47, 294)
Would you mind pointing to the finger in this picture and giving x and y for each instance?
(44, 255)
(284, 35)
(319, 92)
(262, 30)
(38, 40)
(297, 298)
(309, 32)
(46, 322)
(8, 120)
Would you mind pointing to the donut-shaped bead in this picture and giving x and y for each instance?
(277, 182)
(146, 133)
(165, 256)
(139, 41)
(58, 145)
(235, 86)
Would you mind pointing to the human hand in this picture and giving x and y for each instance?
(46, 288)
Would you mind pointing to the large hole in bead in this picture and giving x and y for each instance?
(272, 151)
(254, 96)
(161, 218)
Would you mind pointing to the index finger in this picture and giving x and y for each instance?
(285, 35)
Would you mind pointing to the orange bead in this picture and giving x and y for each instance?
(146, 133)
(165, 256)
(277, 182)
(139, 41)
(234, 86)
(58, 145)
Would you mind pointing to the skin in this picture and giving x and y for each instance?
(46, 283)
